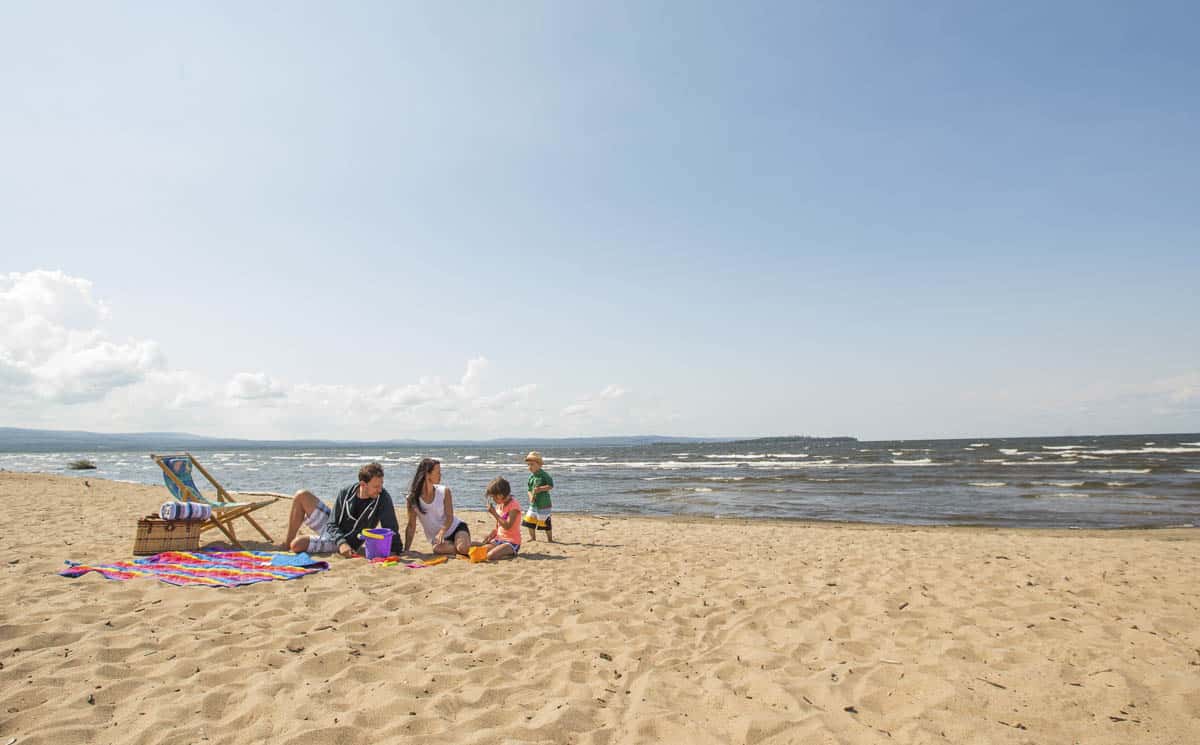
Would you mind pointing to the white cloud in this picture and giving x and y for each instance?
(53, 347)
(1180, 389)
(578, 409)
(611, 392)
(469, 385)
(59, 367)
(597, 405)
(519, 396)
(1157, 404)
(51, 297)
(254, 387)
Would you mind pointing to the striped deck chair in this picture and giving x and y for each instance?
(177, 474)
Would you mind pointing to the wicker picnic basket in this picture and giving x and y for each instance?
(155, 535)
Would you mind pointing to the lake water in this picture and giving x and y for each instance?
(1086, 482)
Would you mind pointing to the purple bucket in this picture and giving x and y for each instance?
(377, 542)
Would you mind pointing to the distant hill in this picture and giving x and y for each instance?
(769, 442)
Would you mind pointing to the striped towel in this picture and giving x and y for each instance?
(184, 511)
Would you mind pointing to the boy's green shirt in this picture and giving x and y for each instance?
(538, 478)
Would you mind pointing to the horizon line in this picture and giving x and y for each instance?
(519, 438)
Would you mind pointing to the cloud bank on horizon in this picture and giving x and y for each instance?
(59, 368)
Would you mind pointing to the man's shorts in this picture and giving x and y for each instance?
(316, 522)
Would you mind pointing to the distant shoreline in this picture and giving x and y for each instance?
(20, 440)
(25, 440)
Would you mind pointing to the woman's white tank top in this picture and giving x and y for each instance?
(434, 516)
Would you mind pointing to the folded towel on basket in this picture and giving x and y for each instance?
(184, 511)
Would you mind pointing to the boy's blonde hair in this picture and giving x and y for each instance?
(534, 456)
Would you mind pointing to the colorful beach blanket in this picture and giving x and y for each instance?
(206, 568)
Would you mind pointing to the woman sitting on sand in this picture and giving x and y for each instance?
(429, 502)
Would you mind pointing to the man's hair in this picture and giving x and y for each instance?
(499, 486)
(370, 471)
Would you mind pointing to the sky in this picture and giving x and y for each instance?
(474, 220)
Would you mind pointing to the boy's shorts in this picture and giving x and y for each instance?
(537, 519)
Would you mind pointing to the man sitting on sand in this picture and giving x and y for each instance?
(359, 506)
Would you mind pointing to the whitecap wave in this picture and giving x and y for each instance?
(1148, 450)
(987, 484)
(1038, 462)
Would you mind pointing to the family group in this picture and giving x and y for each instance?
(365, 504)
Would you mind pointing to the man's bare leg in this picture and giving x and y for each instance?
(303, 505)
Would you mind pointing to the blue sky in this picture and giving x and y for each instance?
(395, 220)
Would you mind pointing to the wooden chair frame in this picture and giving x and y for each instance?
(226, 509)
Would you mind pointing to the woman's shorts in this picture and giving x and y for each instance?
(462, 528)
(516, 547)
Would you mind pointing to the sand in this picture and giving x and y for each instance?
(628, 630)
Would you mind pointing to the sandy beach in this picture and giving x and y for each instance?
(627, 630)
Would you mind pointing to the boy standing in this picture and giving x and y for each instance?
(540, 484)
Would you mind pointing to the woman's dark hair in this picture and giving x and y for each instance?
(418, 484)
(370, 471)
(499, 486)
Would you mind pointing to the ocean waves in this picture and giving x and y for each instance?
(1049, 482)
